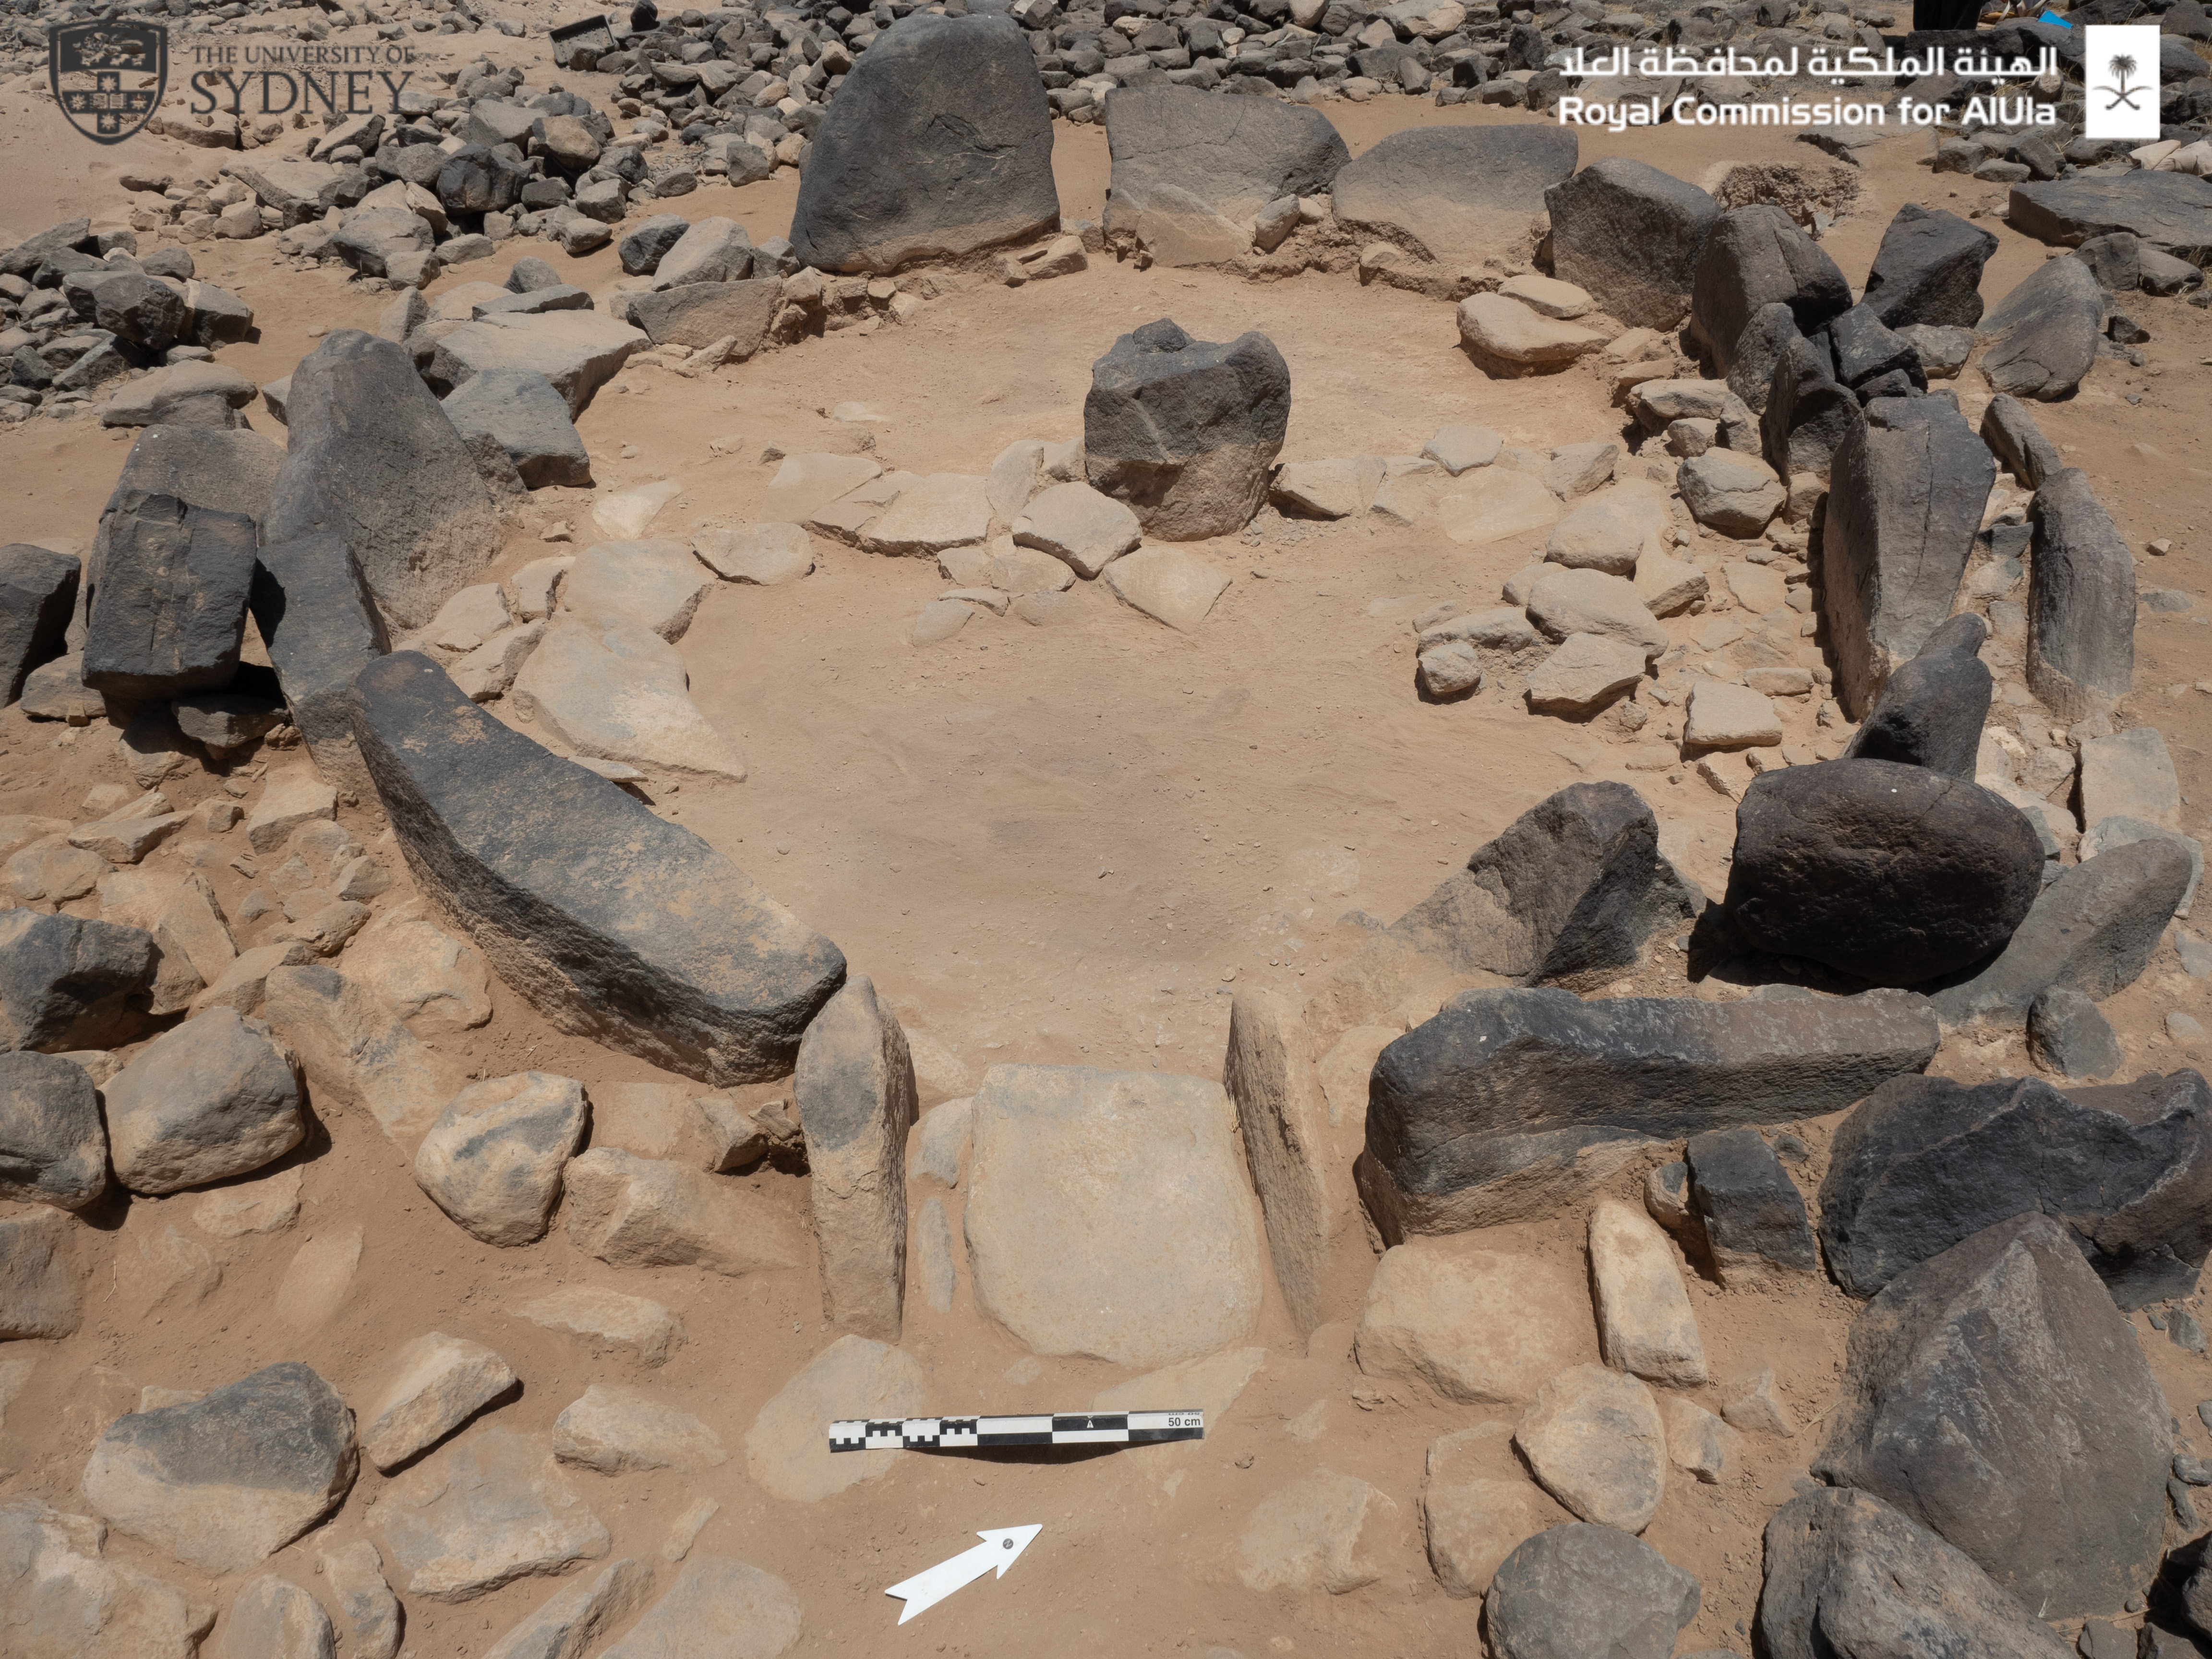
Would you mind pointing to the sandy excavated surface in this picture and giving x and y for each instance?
(1055, 845)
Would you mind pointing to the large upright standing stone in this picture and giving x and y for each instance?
(1903, 504)
(1928, 269)
(939, 144)
(168, 616)
(1807, 413)
(2081, 601)
(373, 457)
(1996, 1395)
(315, 612)
(1192, 170)
(38, 592)
(1756, 256)
(1631, 236)
(611, 922)
(855, 1090)
(1185, 430)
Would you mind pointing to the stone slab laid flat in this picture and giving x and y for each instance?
(482, 1512)
(619, 693)
(2172, 211)
(1497, 503)
(1167, 584)
(612, 921)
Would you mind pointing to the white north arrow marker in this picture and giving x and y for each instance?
(1000, 1549)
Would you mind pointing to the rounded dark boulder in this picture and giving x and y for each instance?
(1895, 874)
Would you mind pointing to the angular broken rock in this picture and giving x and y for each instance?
(764, 554)
(1315, 1533)
(723, 1607)
(1931, 709)
(1588, 671)
(67, 984)
(1733, 493)
(855, 1090)
(943, 510)
(620, 693)
(1074, 523)
(569, 1622)
(2081, 601)
(1632, 236)
(1644, 1320)
(438, 1384)
(1507, 338)
(218, 1096)
(435, 983)
(786, 1452)
(643, 1212)
(353, 1050)
(1509, 1103)
(482, 1512)
(314, 610)
(1341, 488)
(1593, 1440)
(2047, 331)
(609, 1316)
(368, 1613)
(1475, 1325)
(612, 921)
(1190, 174)
(1846, 1573)
(1567, 602)
(1698, 1443)
(1478, 1505)
(1107, 1215)
(1924, 1162)
(1185, 431)
(1755, 257)
(1167, 584)
(53, 1148)
(493, 1159)
(1928, 270)
(41, 1291)
(624, 1430)
(230, 1479)
(1584, 1588)
(654, 585)
(518, 411)
(168, 614)
(578, 351)
(1996, 1395)
(38, 593)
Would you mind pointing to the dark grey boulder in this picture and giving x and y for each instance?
(168, 614)
(2080, 600)
(53, 1148)
(701, 314)
(219, 317)
(639, 250)
(2116, 260)
(1847, 1574)
(611, 922)
(27, 256)
(216, 1097)
(938, 145)
(534, 302)
(38, 596)
(1186, 431)
(2046, 331)
(1576, 885)
(1808, 413)
(1928, 269)
(2015, 440)
(141, 310)
(1994, 1394)
(2067, 1034)
(312, 607)
(1931, 712)
(69, 983)
(1756, 256)
(372, 458)
(1509, 1093)
(252, 706)
(1925, 1162)
(480, 179)
(2093, 930)
(1753, 1214)
(1191, 169)
(519, 411)
(1454, 196)
(230, 1479)
(225, 471)
(1581, 1591)
(1893, 875)
(1758, 351)
(528, 274)
(2171, 211)
(1631, 236)
(1868, 351)
(1904, 505)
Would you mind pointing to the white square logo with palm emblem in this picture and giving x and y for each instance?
(2119, 74)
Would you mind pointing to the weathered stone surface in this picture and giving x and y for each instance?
(41, 1292)
(578, 351)
(939, 145)
(269, 1616)
(67, 984)
(610, 921)
(1184, 431)
(2018, 443)
(715, 252)
(353, 1050)
(2046, 331)
(1726, 716)
(1314, 1535)
(1924, 1162)
(438, 1384)
(788, 1453)
(1509, 1103)
(1476, 1325)
(1613, 531)
(1928, 269)
(53, 1148)
(567, 1624)
(1478, 1506)
(1644, 1321)
(1846, 1573)
(1454, 196)
(1751, 1213)
(716, 1609)
(1931, 707)
(1566, 602)
(855, 1090)
(1593, 1440)
(2066, 1034)
(372, 456)
(213, 1099)
(369, 1618)
(2093, 930)
(701, 312)
(38, 592)
(1498, 503)
(232, 1478)
(168, 613)
(646, 1212)
(764, 554)
(2168, 210)
(1756, 256)
(1156, 1262)
(1506, 337)
(1808, 413)
(1079, 525)
(493, 1159)
(483, 1512)
(1191, 171)
(1895, 874)
(1733, 493)
(313, 608)
(435, 983)
(1584, 674)
(519, 411)
(621, 1430)
(1996, 1395)
(654, 585)
(619, 692)
(943, 510)
(610, 1316)
(1632, 236)
(60, 1600)
(2081, 601)
(1583, 1590)
(1168, 584)
(1700, 1444)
